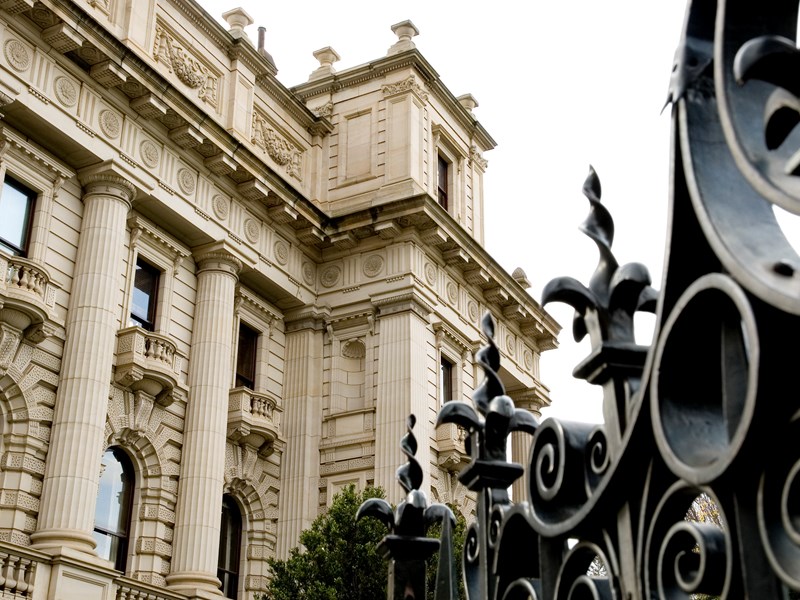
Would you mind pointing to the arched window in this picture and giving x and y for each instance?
(230, 540)
(112, 516)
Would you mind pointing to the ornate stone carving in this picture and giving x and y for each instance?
(65, 91)
(189, 70)
(251, 230)
(330, 276)
(277, 147)
(476, 157)
(354, 348)
(150, 155)
(17, 55)
(281, 250)
(510, 344)
(472, 310)
(101, 5)
(430, 273)
(109, 124)
(186, 181)
(326, 110)
(221, 206)
(528, 359)
(452, 292)
(409, 84)
(308, 273)
(373, 265)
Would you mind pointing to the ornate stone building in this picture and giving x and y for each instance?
(220, 296)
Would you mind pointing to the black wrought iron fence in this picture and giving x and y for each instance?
(709, 410)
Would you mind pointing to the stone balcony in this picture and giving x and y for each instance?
(452, 452)
(149, 362)
(27, 296)
(254, 420)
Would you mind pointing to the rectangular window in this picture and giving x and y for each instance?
(246, 357)
(444, 168)
(145, 291)
(445, 381)
(16, 209)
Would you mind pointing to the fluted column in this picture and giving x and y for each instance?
(521, 442)
(302, 418)
(69, 493)
(197, 517)
(402, 389)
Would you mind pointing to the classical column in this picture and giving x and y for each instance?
(302, 419)
(532, 401)
(197, 516)
(403, 388)
(69, 493)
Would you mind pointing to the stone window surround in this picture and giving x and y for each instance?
(42, 174)
(163, 254)
(259, 316)
(446, 147)
(454, 349)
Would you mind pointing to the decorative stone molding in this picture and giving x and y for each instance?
(17, 55)
(279, 149)
(109, 124)
(149, 153)
(186, 181)
(308, 273)
(373, 265)
(221, 206)
(325, 111)
(281, 250)
(330, 276)
(252, 229)
(477, 158)
(409, 84)
(189, 70)
(403, 302)
(354, 348)
(405, 30)
(148, 362)
(65, 91)
(27, 287)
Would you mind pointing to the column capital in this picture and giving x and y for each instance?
(402, 301)
(217, 258)
(307, 317)
(533, 400)
(107, 179)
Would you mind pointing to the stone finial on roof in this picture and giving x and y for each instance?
(404, 31)
(326, 57)
(237, 19)
(520, 277)
(468, 101)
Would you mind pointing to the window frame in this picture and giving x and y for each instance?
(258, 315)
(443, 166)
(251, 340)
(148, 323)
(121, 555)
(225, 550)
(31, 196)
(446, 379)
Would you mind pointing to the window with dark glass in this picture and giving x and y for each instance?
(444, 168)
(16, 212)
(246, 357)
(112, 515)
(230, 540)
(145, 291)
(445, 381)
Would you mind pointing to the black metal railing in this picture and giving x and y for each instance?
(709, 410)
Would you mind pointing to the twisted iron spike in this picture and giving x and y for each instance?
(599, 226)
(488, 357)
(410, 474)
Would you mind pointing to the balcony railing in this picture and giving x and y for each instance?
(253, 419)
(18, 567)
(27, 287)
(150, 362)
(130, 589)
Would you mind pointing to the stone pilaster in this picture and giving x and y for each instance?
(69, 494)
(402, 388)
(197, 518)
(302, 401)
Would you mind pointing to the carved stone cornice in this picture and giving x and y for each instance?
(409, 84)
(400, 303)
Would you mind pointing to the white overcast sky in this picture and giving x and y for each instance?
(560, 85)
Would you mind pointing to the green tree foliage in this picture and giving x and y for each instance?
(340, 559)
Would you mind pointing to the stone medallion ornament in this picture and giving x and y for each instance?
(281, 252)
(452, 292)
(251, 230)
(330, 277)
(510, 344)
(308, 273)
(373, 265)
(528, 358)
(472, 310)
(65, 91)
(109, 124)
(430, 273)
(186, 181)
(17, 55)
(149, 153)
(221, 207)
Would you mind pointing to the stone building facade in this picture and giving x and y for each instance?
(220, 296)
